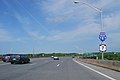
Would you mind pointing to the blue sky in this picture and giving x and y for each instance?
(57, 26)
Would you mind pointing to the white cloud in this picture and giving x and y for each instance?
(67, 22)
(113, 41)
(4, 35)
(27, 25)
(112, 22)
(112, 26)
(36, 36)
(59, 11)
(57, 19)
(79, 33)
(104, 3)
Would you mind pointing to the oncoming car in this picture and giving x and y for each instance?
(56, 58)
(52, 56)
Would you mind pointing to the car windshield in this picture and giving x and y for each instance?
(6, 54)
(15, 55)
(59, 39)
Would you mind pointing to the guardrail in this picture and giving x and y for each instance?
(114, 65)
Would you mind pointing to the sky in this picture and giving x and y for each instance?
(58, 26)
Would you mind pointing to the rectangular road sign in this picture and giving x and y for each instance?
(102, 33)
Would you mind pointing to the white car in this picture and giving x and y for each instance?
(52, 56)
(56, 58)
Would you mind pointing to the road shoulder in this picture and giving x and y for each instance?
(109, 72)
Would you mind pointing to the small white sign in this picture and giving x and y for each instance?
(102, 47)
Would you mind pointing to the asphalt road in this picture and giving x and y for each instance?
(49, 69)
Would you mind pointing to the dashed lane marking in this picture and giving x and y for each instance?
(58, 65)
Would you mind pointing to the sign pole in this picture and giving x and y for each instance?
(102, 37)
(103, 49)
(102, 53)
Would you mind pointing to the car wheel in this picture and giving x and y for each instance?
(4, 61)
(28, 62)
(22, 62)
(11, 62)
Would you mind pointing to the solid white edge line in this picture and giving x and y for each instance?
(95, 71)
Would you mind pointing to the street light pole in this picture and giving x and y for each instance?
(101, 16)
(95, 8)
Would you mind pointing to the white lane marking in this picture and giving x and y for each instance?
(58, 65)
(4, 64)
(33, 64)
(61, 61)
(46, 61)
(95, 71)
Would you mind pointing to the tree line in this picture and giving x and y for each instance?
(53, 54)
(107, 55)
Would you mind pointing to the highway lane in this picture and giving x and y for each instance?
(49, 69)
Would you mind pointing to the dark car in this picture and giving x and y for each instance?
(6, 57)
(56, 58)
(19, 58)
(73, 56)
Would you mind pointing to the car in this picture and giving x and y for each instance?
(73, 56)
(19, 58)
(56, 58)
(6, 57)
(52, 56)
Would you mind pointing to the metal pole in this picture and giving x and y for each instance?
(33, 50)
(95, 8)
(10, 51)
(102, 52)
(101, 18)
(102, 55)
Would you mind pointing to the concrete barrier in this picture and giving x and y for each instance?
(114, 65)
